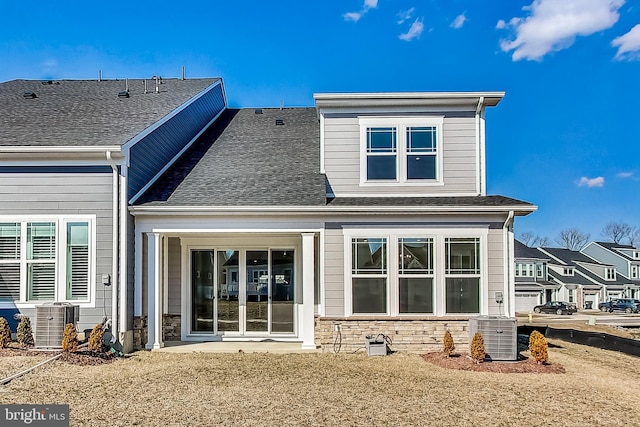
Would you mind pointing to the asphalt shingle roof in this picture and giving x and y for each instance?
(523, 251)
(86, 112)
(245, 159)
(458, 201)
(613, 247)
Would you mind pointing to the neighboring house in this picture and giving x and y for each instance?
(584, 281)
(532, 286)
(625, 259)
(72, 155)
(367, 214)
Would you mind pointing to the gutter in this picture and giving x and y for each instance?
(479, 149)
(114, 236)
(321, 210)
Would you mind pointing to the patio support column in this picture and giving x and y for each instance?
(154, 283)
(308, 279)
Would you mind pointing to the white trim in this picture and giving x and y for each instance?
(400, 125)
(165, 275)
(140, 136)
(174, 159)
(61, 240)
(59, 149)
(56, 161)
(137, 285)
(322, 306)
(483, 155)
(124, 253)
(315, 210)
(307, 329)
(438, 234)
(322, 145)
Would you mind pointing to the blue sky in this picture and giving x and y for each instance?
(565, 137)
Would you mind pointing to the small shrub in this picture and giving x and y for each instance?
(96, 338)
(538, 347)
(70, 338)
(24, 333)
(477, 348)
(5, 332)
(448, 343)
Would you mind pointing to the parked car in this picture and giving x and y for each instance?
(627, 305)
(556, 307)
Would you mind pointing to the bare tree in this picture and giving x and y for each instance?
(526, 238)
(572, 238)
(540, 241)
(533, 240)
(634, 237)
(616, 231)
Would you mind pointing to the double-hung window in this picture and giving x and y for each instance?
(462, 275)
(415, 275)
(46, 260)
(402, 150)
(369, 275)
(421, 152)
(381, 153)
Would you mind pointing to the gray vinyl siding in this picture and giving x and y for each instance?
(174, 278)
(149, 155)
(605, 256)
(495, 270)
(334, 272)
(342, 159)
(22, 195)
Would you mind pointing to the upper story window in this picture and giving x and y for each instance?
(540, 271)
(634, 271)
(567, 271)
(610, 273)
(636, 254)
(524, 270)
(401, 150)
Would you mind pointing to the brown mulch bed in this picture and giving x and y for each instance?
(82, 357)
(465, 363)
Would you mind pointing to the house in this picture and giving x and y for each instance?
(624, 258)
(72, 155)
(584, 281)
(367, 214)
(155, 204)
(532, 285)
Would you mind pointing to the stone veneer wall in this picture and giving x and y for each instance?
(171, 327)
(139, 332)
(408, 335)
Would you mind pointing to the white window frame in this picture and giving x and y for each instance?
(401, 124)
(634, 272)
(567, 271)
(609, 273)
(438, 235)
(60, 289)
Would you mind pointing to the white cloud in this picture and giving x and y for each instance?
(404, 15)
(591, 182)
(459, 21)
(416, 29)
(352, 16)
(625, 175)
(553, 25)
(628, 44)
(355, 16)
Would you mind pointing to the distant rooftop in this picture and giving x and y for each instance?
(87, 112)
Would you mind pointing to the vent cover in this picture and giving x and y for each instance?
(29, 95)
(500, 336)
(279, 122)
(51, 318)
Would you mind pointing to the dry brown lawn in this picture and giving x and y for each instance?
(206, 389)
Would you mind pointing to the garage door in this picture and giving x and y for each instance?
(526, 301)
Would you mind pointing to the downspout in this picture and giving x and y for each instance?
(114, 235)
(124, 270)
(508, 262)
(479, 149)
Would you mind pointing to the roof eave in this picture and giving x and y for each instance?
(426, 99)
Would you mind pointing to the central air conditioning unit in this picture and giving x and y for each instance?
(500, 336)
(51, 318)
